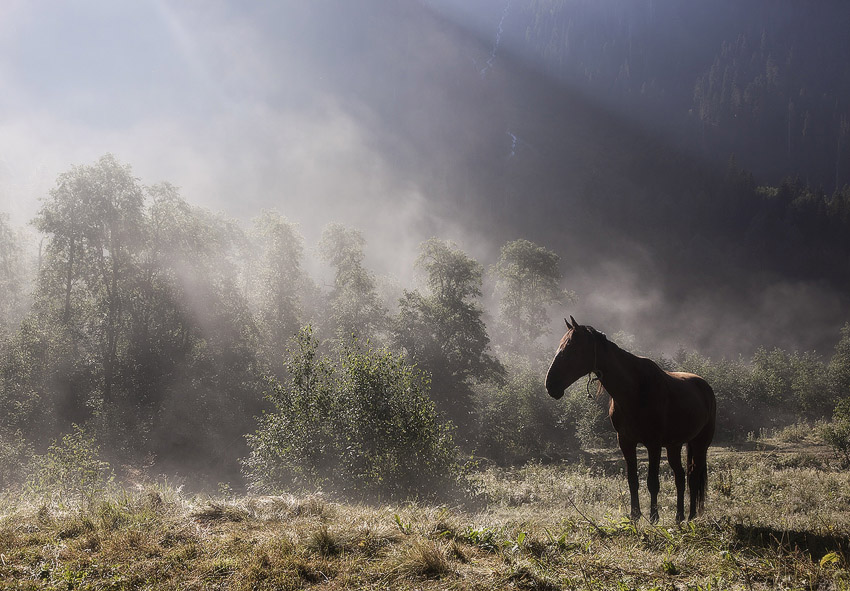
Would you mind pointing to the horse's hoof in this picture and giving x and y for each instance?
(635, 515)
(680, 517)
(653, 517)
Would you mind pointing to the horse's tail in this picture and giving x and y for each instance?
(698, 456)
(698, 474)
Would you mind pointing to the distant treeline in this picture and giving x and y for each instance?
(165, 331)
(727, 227)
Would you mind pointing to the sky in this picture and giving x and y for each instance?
(85, 78)
(230, 104)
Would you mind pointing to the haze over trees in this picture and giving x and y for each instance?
(528, 282)
(355, 307)
(151, 335)
(443, 330)
(14, 279)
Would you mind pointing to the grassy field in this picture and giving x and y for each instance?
(778, 517)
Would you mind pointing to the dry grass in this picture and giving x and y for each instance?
(771, 524)
(420, 559)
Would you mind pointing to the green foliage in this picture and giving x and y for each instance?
(354, 302)
(359, 423)
(15, 458)
(27, 368)
(279, 283)
(140, 326)
(443, 331)
(793, 385)
(775, 389)
(450, 274)
(191, 367)
(839, 365)
(147, 326)
(14, 278)
(837, 433)
(810, 384)
(589, 416)
(94, 222)
(72, 469)
(517, 421)
(771, 377)
(528, 282)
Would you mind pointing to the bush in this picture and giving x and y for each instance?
(359, 423)
(589, 415)
(739, 409)
(837, 433)
(72, 469)
(517, 420)
(15, 457)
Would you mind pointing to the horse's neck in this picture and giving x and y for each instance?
(621, 373)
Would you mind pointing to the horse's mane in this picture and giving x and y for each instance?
(601, 337)
(598, 333)
(607, 345)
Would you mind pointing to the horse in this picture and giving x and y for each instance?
(649, 406)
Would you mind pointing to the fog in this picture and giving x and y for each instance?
(407, 120)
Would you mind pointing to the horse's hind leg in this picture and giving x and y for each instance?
(674, 458)
(652, 483)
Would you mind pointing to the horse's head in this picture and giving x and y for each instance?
(576, 356)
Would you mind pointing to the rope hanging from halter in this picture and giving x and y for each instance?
(594, 376)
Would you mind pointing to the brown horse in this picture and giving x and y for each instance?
(648, 405)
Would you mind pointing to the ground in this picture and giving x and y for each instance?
(778, 517)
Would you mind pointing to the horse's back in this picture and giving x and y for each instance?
(693, 382)
(691, 405)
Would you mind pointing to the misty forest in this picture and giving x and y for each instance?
(280, 286)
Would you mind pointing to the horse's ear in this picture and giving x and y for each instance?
(568, 324)
(575, 324)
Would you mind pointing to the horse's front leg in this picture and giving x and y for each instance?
(652, 483)
(630, 454)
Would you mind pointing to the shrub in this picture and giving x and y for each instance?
(15, 456)
(593, 428)
(517, 420)
(72, 469)
(837, 433)
(359, 423)
(739, 410)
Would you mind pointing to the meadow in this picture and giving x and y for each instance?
(778, 517)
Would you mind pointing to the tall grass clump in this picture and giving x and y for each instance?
(357, 422)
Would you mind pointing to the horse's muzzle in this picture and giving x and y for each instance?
(556, 391)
